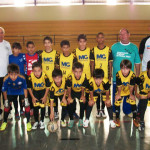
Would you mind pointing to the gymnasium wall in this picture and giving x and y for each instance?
(66, 22)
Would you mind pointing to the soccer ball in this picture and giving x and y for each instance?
(52, 126)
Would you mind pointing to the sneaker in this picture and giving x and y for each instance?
(136, 123)
(117, 122)
(112, 124)
(142, 126)
(56, 114)
(75, 115)
(86, 123)
(63, 123)
(42, 125)
(10, 116)
(35, 125)
(17, 116)
(80, 124)
(3, 126)
(22, 113)
(29, 126)
(71, 123)
(103, 113)
(98, 115)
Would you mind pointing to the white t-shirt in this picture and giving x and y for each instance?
(5, 51)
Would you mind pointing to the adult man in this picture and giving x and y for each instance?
(124, 50)
(5, 51)
(144, 51)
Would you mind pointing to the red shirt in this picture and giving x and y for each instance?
(30, 59)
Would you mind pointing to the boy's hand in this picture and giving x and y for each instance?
(138, 96)
(44, 99)
(83, 98)
(148, 96)
(107, 103)
(64, 101)
(91, 102)
(110, 76)
(132, 97)
(70, 100)
(117, 97)
(52, 116)
(34, 100)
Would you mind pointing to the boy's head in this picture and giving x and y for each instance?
(98, 76)
(13, 71)
(125, 67)
(57, 76)
(16, 48)
(100, 38)
(77, 70)
(82, 40)
(48, 42)
(30, 47)
(37, 69)
(65, 46)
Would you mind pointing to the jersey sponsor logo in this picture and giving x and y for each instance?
(48, 59)
(148, 46)
(65, 64)
(125, 83)
(83, 57)
(60, 91)
(77, 85)
(38, 85)
(19, 83)
(101, 56)
(147, 86)
(98, 91)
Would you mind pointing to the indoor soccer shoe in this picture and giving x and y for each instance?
(3, 126)
(80, 124)
(29, 126)
(102, 113)
(86, 123)
(75, 115)
(42, 125)
(142, 126)
(35, 125)
(56, 114)
(71, 123)
(117, 122)
(63, 123)
(112, 124)
(98, 115)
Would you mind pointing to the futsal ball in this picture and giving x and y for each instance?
(52, 126)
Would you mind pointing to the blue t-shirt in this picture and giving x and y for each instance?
(14, 87)
(124, 51)
(19, 60)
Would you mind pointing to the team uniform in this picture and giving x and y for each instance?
(48, 62)
(119, 52)
(143, 81)
(75, 86)
(57, 93)
(14, 89)
(38, 86)
(65, 63)
(124, 83)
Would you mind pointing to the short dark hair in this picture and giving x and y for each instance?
(16, 45)
(126, 63)
(100, 33)
(48, 38)
(148, 65)
(98, 73)
(30, 42)
(82, 36)
(13, 68)
(65, 42)
(77, 65)
(36, 64)
(56, 72)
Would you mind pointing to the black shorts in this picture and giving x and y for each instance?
(12, 98)
(75, 95)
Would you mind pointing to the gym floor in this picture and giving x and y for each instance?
(97, 136)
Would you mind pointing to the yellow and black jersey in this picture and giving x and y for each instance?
(65, 63)
(101, 57)
(124, 82)
(57, 91)
(77, 84)
(143, 81)
(83, 57)
(104, 86)
(38, 83)
(48, 62)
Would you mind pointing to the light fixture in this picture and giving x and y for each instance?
(111, 2)
(65, 2)
(19, 3)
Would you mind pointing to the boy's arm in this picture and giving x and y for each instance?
(69, 85)
(110, 64)
(25, 93)
(119, 86)
(57, 59)
(5, 95)
(51, 103)
(132, 85)
(92, 61)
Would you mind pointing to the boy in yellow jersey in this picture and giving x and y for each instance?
(66, 59)
(101, 56)
(76, 84)
(143, 82)
(97, 85)
(47, 57)
(58, 90)
(38, 86)
(125, 81)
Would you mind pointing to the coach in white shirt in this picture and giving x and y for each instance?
(5, 51)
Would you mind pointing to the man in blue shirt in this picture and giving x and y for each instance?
(15, 84)
(124, 50)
